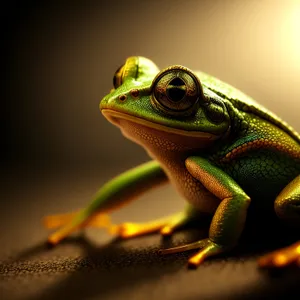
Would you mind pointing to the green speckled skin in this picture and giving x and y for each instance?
(221, 150)
(260, 157)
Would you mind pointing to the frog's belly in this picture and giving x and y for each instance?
(171, 150)
(190, 188)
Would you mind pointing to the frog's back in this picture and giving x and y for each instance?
(245, 103)
(265, 157)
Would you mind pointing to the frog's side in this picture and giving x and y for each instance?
(263, 149)
(219, 148)
(261, 158)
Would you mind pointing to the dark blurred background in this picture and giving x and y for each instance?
(58, 61)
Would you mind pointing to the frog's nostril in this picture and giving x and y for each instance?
(122, 97)
(134, 93)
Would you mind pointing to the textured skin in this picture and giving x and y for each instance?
(222, 151)
(260, 153)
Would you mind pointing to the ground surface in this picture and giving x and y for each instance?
(95, 266)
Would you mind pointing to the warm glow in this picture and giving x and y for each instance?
(291, 34)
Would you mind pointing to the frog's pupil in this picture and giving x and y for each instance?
(176, 89)
(177, 81)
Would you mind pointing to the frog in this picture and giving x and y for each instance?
(221, 150)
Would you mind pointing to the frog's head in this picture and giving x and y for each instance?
(169, 109)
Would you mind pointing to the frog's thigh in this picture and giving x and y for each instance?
(287, 203)
(230, 216)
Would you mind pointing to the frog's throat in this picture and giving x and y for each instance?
(113, 117)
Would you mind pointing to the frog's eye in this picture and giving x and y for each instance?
(118, 77)
(176, 90)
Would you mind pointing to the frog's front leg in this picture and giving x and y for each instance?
(166, 225)
(287, 207)
(229, 219)
(111, 196)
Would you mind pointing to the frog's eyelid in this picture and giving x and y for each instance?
(177, 69)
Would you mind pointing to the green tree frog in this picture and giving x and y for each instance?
(221, 151)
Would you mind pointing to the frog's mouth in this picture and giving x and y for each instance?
(115, 116)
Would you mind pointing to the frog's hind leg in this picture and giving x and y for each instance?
(287, 207)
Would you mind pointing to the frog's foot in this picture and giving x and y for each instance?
(209, 248)
(71, 222)
(282, 257)
(166, 226)
(56, 221)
